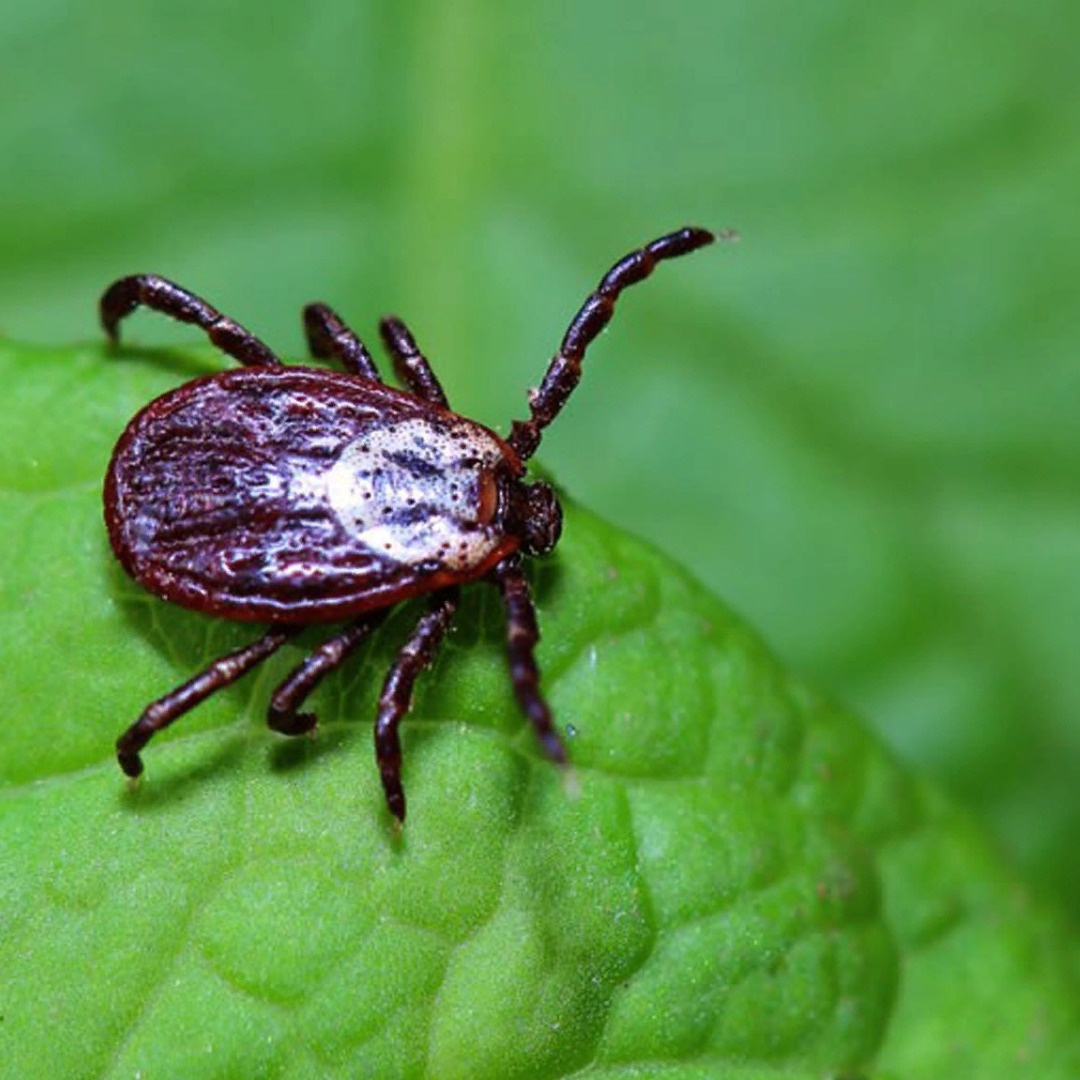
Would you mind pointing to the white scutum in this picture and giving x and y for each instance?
(414, 516)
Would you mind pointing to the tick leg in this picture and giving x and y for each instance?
(565, 369)
(329, 337)
(122, 297)
(161, 713)
(522, 636)
(396, 697)
(409, 362)
(283, 715)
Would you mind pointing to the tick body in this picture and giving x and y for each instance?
(288, 495)
(273, 494)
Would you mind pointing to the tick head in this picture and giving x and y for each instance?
(537, 517)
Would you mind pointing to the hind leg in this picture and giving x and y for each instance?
(122, 297)
(168, 709)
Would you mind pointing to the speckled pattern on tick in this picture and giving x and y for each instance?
(295, 495)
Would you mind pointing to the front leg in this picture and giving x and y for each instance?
(564, 372)
(522, 636)
(122, 297)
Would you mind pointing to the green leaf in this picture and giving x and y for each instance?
(859, 426)
(734, 879)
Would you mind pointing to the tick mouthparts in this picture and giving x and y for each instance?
(540, 515)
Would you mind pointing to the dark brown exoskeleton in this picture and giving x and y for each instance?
(296, 495)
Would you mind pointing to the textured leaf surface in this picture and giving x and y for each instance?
(859, 426)
(735, 880)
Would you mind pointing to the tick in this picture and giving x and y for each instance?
(294, 495)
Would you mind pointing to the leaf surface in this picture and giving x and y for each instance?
(735, 879)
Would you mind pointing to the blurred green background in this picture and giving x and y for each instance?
(858, 425)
